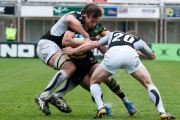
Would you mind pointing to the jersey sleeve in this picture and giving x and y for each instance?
(144, 48)
(97, 32)
(102, 28)
(78, 16)
(104, 40)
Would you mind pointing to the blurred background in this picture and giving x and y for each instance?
(155, 21)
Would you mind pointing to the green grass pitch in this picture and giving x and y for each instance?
(21, 80)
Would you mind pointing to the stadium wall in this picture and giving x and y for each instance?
(155, 21)
(28, 50)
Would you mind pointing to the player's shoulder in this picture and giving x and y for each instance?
(101, 27)
(76, 14)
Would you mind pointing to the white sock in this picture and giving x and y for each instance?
(155, 97)
(58, 78)
(124, 99)
(96, 93)
(65, 88)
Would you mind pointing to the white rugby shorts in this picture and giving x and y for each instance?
(121, 57)
(46, 49)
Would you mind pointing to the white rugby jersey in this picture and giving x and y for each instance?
(56, 33)
(120, 38)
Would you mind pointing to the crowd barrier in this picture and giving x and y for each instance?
(28, 50)
(25, 50)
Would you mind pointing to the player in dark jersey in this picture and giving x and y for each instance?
(123, 53)
(49, 50)
(86, 63)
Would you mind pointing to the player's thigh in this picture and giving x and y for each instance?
(99, 75)
(86, 83)
(143, 76)
(51, 54)
(107, 80)
(92, 63)
(46, 49)
(112, 60)
(93, 68)
(62, 61)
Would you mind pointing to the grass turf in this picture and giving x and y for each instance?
(23, 79)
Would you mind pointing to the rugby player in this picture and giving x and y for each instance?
(123, 52)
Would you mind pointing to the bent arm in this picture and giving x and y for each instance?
(147, 52)
(76, 25)
(103, 49)
(68, 40)
(144, 56)
(86, 46)
(83, 48)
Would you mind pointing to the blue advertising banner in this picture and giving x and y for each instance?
(173, 12)
(109, 12)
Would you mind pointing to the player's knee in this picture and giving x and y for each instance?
(69, 68)
(113, 84)
(61, 61)
(69, 65)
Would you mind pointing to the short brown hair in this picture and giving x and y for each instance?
(84, 9)
(91, 9)
(132, 32)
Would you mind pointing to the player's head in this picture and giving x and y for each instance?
(132, 32)
(94, 11)
(92, 14)
(84, 9)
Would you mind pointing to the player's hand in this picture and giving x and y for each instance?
(87, 39)
(68, 50)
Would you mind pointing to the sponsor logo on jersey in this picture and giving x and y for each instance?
(45, 56)
(92, 60)
(137, 63)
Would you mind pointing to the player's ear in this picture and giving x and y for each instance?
(84, 15)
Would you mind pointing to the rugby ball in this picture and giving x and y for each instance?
(80, 39)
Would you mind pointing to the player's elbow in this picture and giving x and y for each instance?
(152, 57)
(69, 19)
(66, 42)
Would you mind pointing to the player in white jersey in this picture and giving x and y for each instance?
(49, 51)
(85, 65)
(123, 53)
(50, 45)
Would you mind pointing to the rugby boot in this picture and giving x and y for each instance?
(108, 111)
(130, 107)
(100, 113)
(60, 103)
(166, 116)
(43, 105)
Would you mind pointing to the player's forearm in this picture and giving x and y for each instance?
(72, 42)
(76, 26)
(86, 47)
(153, 56)
(103, 49)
